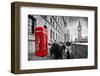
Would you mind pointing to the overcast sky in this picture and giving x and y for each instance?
(72, 25)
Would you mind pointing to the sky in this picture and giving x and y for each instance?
(72, 25)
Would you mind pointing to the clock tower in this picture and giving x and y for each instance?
(79, 31)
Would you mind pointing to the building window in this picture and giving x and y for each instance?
(56, 27)
(45, 16)
(51, 34)
(53, 23)
(55, 17)
(50, 20)
(58, 19)
(56, 35)
(31, 24)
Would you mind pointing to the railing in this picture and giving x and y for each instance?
(81, 43)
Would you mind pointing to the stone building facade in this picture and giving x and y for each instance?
(55, 26)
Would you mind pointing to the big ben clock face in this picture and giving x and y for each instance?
(79, 28)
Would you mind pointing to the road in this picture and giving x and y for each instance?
(77, 51)
(80, 50)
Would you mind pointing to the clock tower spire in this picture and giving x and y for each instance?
(79, 31)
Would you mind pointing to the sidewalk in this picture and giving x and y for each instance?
(34, 57)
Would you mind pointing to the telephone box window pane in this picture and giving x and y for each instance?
(37, 43)
(45, 46)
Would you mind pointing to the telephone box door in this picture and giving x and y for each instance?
(41, 42)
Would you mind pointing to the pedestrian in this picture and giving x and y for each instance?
(68, 50)
(55, 50)
(68, 55)
(62, 50)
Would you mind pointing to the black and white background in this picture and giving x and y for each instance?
(69, 32)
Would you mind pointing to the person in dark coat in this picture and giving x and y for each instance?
(68, 43)
(55, 50)
(62, 50)
(68, 55)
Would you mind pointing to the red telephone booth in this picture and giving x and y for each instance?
(41, 41)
